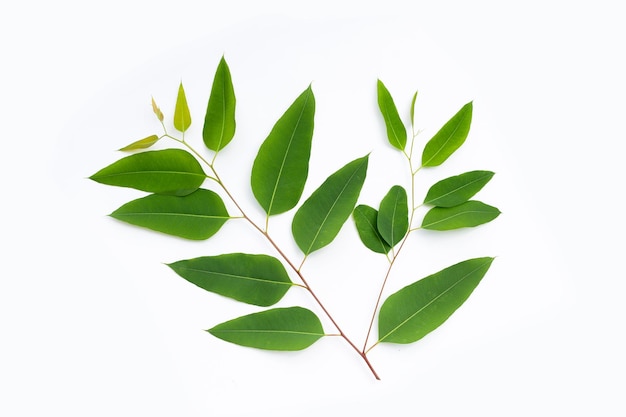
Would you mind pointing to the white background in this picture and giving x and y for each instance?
(94, 324)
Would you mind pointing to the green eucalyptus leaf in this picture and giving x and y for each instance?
(455, 190)
(393, 215)
(468, 214)
(196, 216)
(281, 166)
(141, 143)
(318, 221)
(168, 171)
(421, 307)
(396, 132)
(219, 121)
(365, 219)
(254, 279)
(182, 117)
(449, 138)
(291, 328)
(413, 109)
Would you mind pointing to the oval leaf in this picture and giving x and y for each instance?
(196, 216)
(168, 171)
(292, 328)
(421, 307)
(182, 117)
(396, 132)
(254, 279)
(393, 215)
(219, 121)
(318, 221)
(365, 219)
(449, 138)
(281, 166)
(468, 214)
(141, 143)
(458, 189)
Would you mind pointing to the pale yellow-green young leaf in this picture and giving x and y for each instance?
(182, 117)
(141, 143)
(157, 110)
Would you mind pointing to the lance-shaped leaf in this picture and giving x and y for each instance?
(141, 143)
(421, 307)
(281, 166)
(168, 171)
(254, 279)
(291, 328)
(455, 190)
(157, 111)
(468, 214)
(196, 216)
(219, 120)
(449, 138)
(318, 221)
(365, 219)
(396, 132)
(413, 109)
(393, 215)
(182, 117)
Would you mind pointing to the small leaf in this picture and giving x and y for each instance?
(421, 307)
(219, 120)
(291, 328)
(318, 221)
(455, 190)
(413, 109)
(157, 110)
(393, 216)
(365, 219)
(396, 132)
(449, 138)
(182, 117)
(141, 143)
(168, 171)
(254, 279)
(468, 214)
(281, 166)
(196, 216)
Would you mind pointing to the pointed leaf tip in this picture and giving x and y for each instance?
(182, 117)
(219, 120)
(396, 132)
(449, 138)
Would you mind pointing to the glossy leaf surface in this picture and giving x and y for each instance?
(219, 120)
(254, 279)
(318, 221)
(365, 219)
(449, 138)
(455, 190)
(468, 214)
(281, 166)
(196, 216)
(421, 307)
(182, 117)
(141, 143)
(291, 328)
(393, 215)
(396, 132)
(169, 171)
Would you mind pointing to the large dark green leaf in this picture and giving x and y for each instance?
(396, 132)
(292, 328)
(254, 279)
(196, 216)
(219, 121)
(393, 215)
(421, 307)
(281, 166)
(455, 190)
(449, 138)
(182, 117)
(168, 171)
(468, 214)
(318, 221)
(365, 219)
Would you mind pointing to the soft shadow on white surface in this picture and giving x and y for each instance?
(101, 326)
